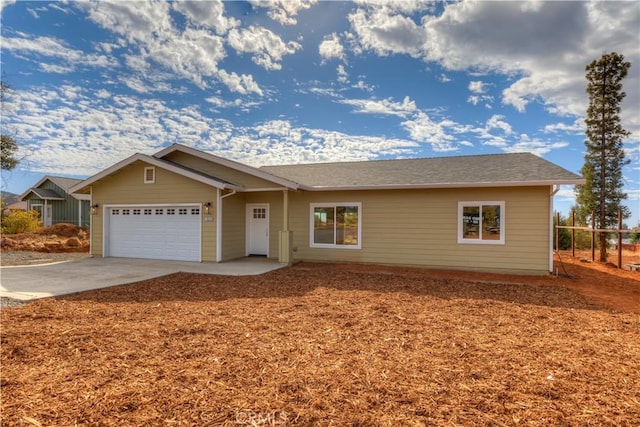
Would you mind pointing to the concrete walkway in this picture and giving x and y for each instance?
(40, 281)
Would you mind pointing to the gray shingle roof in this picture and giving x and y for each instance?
(62, 182)
(480, 170)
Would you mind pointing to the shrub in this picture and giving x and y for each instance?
(21, 222)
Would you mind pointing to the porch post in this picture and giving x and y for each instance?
(218, 226)
(285, 237)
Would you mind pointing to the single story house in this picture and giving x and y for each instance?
(55, 203)
(484, 212)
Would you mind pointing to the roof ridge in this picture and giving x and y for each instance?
(403, 159)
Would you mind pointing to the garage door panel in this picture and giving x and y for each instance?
(171, 233)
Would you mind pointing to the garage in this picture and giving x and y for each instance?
(154, 232)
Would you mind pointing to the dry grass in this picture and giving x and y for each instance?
(322, 345)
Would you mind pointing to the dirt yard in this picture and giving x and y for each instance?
(321, 345)
(58, 238)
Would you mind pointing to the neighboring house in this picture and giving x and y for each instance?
(15, 206)
(52, 199)
(488, 212)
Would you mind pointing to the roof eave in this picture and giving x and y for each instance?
(228, 163)
(447, 185)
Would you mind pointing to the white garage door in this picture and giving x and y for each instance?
(155, 232)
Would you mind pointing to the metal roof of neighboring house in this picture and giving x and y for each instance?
(512, 169)
(45, 194)
(17, 206)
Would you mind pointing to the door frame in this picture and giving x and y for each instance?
(249, 217)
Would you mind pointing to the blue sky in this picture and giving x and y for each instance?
(284, 82)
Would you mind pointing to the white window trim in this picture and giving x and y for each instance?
(479, 241)
(312, 207)
(153, 174)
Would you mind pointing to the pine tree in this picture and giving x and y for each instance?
(600, 197)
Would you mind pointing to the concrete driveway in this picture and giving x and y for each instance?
(40, 281)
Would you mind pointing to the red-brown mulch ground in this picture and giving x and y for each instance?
(320, 344)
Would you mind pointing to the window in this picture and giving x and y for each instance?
(149, 175)
(147, 211)
(125, 211)
(136, 211)
(115, 211)
(159, 211)
(336, 225)
(195, 211)
(182, 211)
(481, 222)
(171, 211)
(259, 213)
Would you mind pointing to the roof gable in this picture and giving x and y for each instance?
(513, 169)
(62, 182)
(172, 167)
(43, 193)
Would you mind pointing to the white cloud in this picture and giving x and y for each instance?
(50, 47)
(284, 11)
(209, 14)
(422, 128)
(477, 87)
(138, 21)
(5, 3)
(362, 85)
(383, 107)
(267, 48)
(77, 131)
(331, 48)
(404, 6)
(343, 76)
(522, 40)
(243, 84)
(535, 146)
(192, 53)
(497, 122)
(577, 127)
(384, 32)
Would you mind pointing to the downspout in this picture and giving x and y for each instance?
(219, 198)
(553, 192)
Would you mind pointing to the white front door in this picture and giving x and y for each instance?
(48, 215)
(258, 229)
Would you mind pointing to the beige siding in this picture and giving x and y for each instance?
(127, 187)
(218, 171)
(233, 227)
(419, 227)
